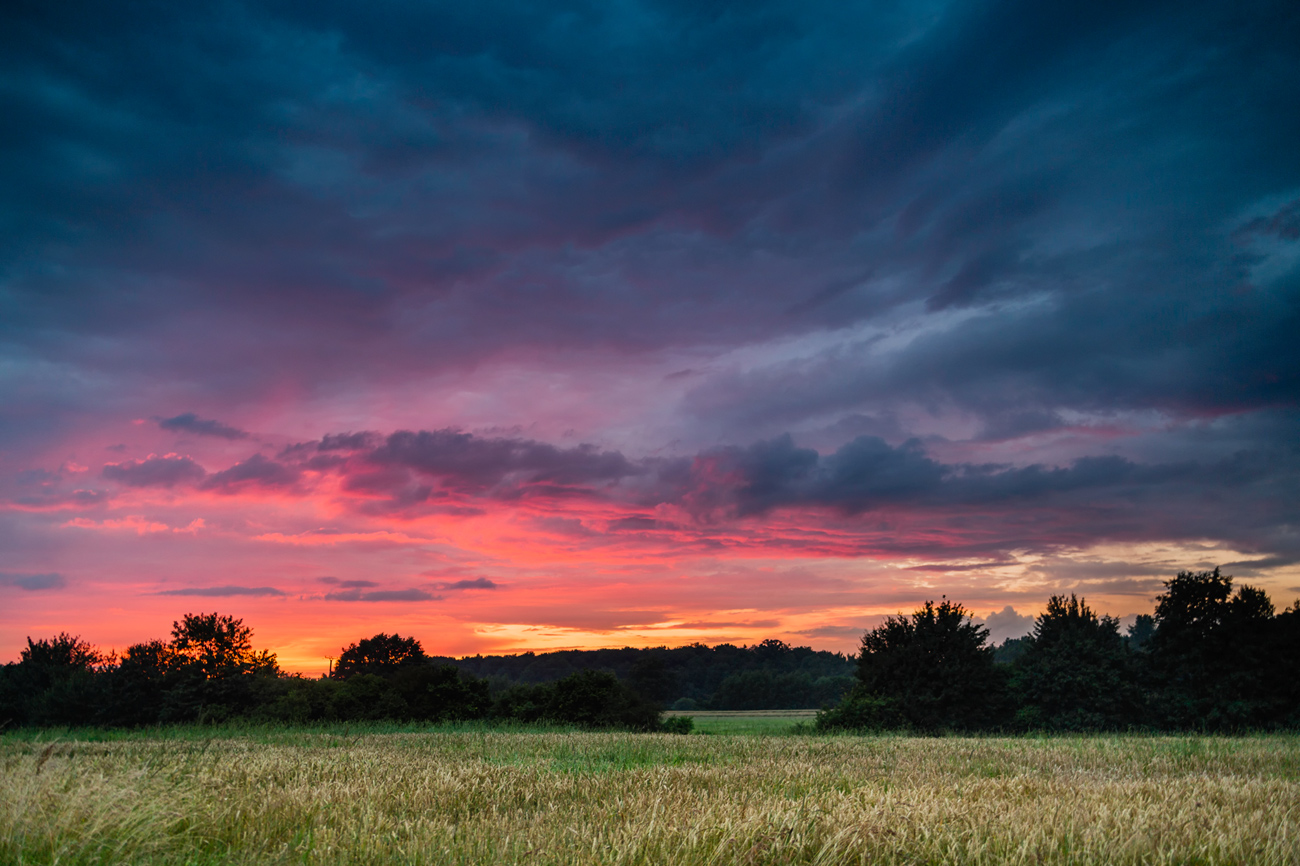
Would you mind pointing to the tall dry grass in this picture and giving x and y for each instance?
(643, 798)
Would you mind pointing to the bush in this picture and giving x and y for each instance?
(862, 712)
(440, 692)
(598, 699)
(677, 725)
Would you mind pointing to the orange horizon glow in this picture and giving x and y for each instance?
(330, 553)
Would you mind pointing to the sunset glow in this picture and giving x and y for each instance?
(639, 326)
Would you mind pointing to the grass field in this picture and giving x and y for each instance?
(751, 721)
(391, 794)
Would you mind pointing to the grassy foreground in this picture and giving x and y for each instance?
(480, 796)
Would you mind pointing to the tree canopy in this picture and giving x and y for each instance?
(1076, 672)
(218, 646)
(377, 654)
(929, 671)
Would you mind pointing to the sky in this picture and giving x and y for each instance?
(519, 326)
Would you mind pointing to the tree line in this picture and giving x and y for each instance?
(770, 675)
(1209, 658)
(209, 672)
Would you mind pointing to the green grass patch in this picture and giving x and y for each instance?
(751, 722)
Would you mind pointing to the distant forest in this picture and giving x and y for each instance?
(1210, 657)
(766, 676)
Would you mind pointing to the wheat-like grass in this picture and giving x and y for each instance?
(615, 798)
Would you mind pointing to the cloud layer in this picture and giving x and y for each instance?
(439, 298)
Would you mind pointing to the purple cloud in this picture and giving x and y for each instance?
(256, 471)
(168, 471)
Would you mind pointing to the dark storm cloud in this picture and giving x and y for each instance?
(1030, 212)
(1283, 224)
(868, 474)
(471, 463)
(224, 591)
(975, 137)
(167, 471)
(33, 582)
(191, 423)
(1250, 497)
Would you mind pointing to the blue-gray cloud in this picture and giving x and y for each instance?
(468, 583)
(316, 166)
(1006, 623)
(348, 584)
(382, 595)
(985, 509)
(188, 422)
(33, 582)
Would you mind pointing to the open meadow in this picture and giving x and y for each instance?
(387, 794)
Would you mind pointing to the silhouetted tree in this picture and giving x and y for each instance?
(772, 690)
(1011, 649)
(137, 685)
(1076, 673)
(60, 655)
(1210, 652)
(598, 699)
(381, 654)
(214, 664)
(1282, 670)
(930, 671)
(53, 683)
(216, 646)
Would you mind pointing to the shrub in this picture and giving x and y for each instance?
(677, 725)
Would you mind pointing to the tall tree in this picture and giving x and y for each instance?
(1209, 651)
(61, 652)
(383, 653)
(54, 682)
(215, 669)
(1076, 673)
(930, 671)
(139, 681)
(218, 646)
